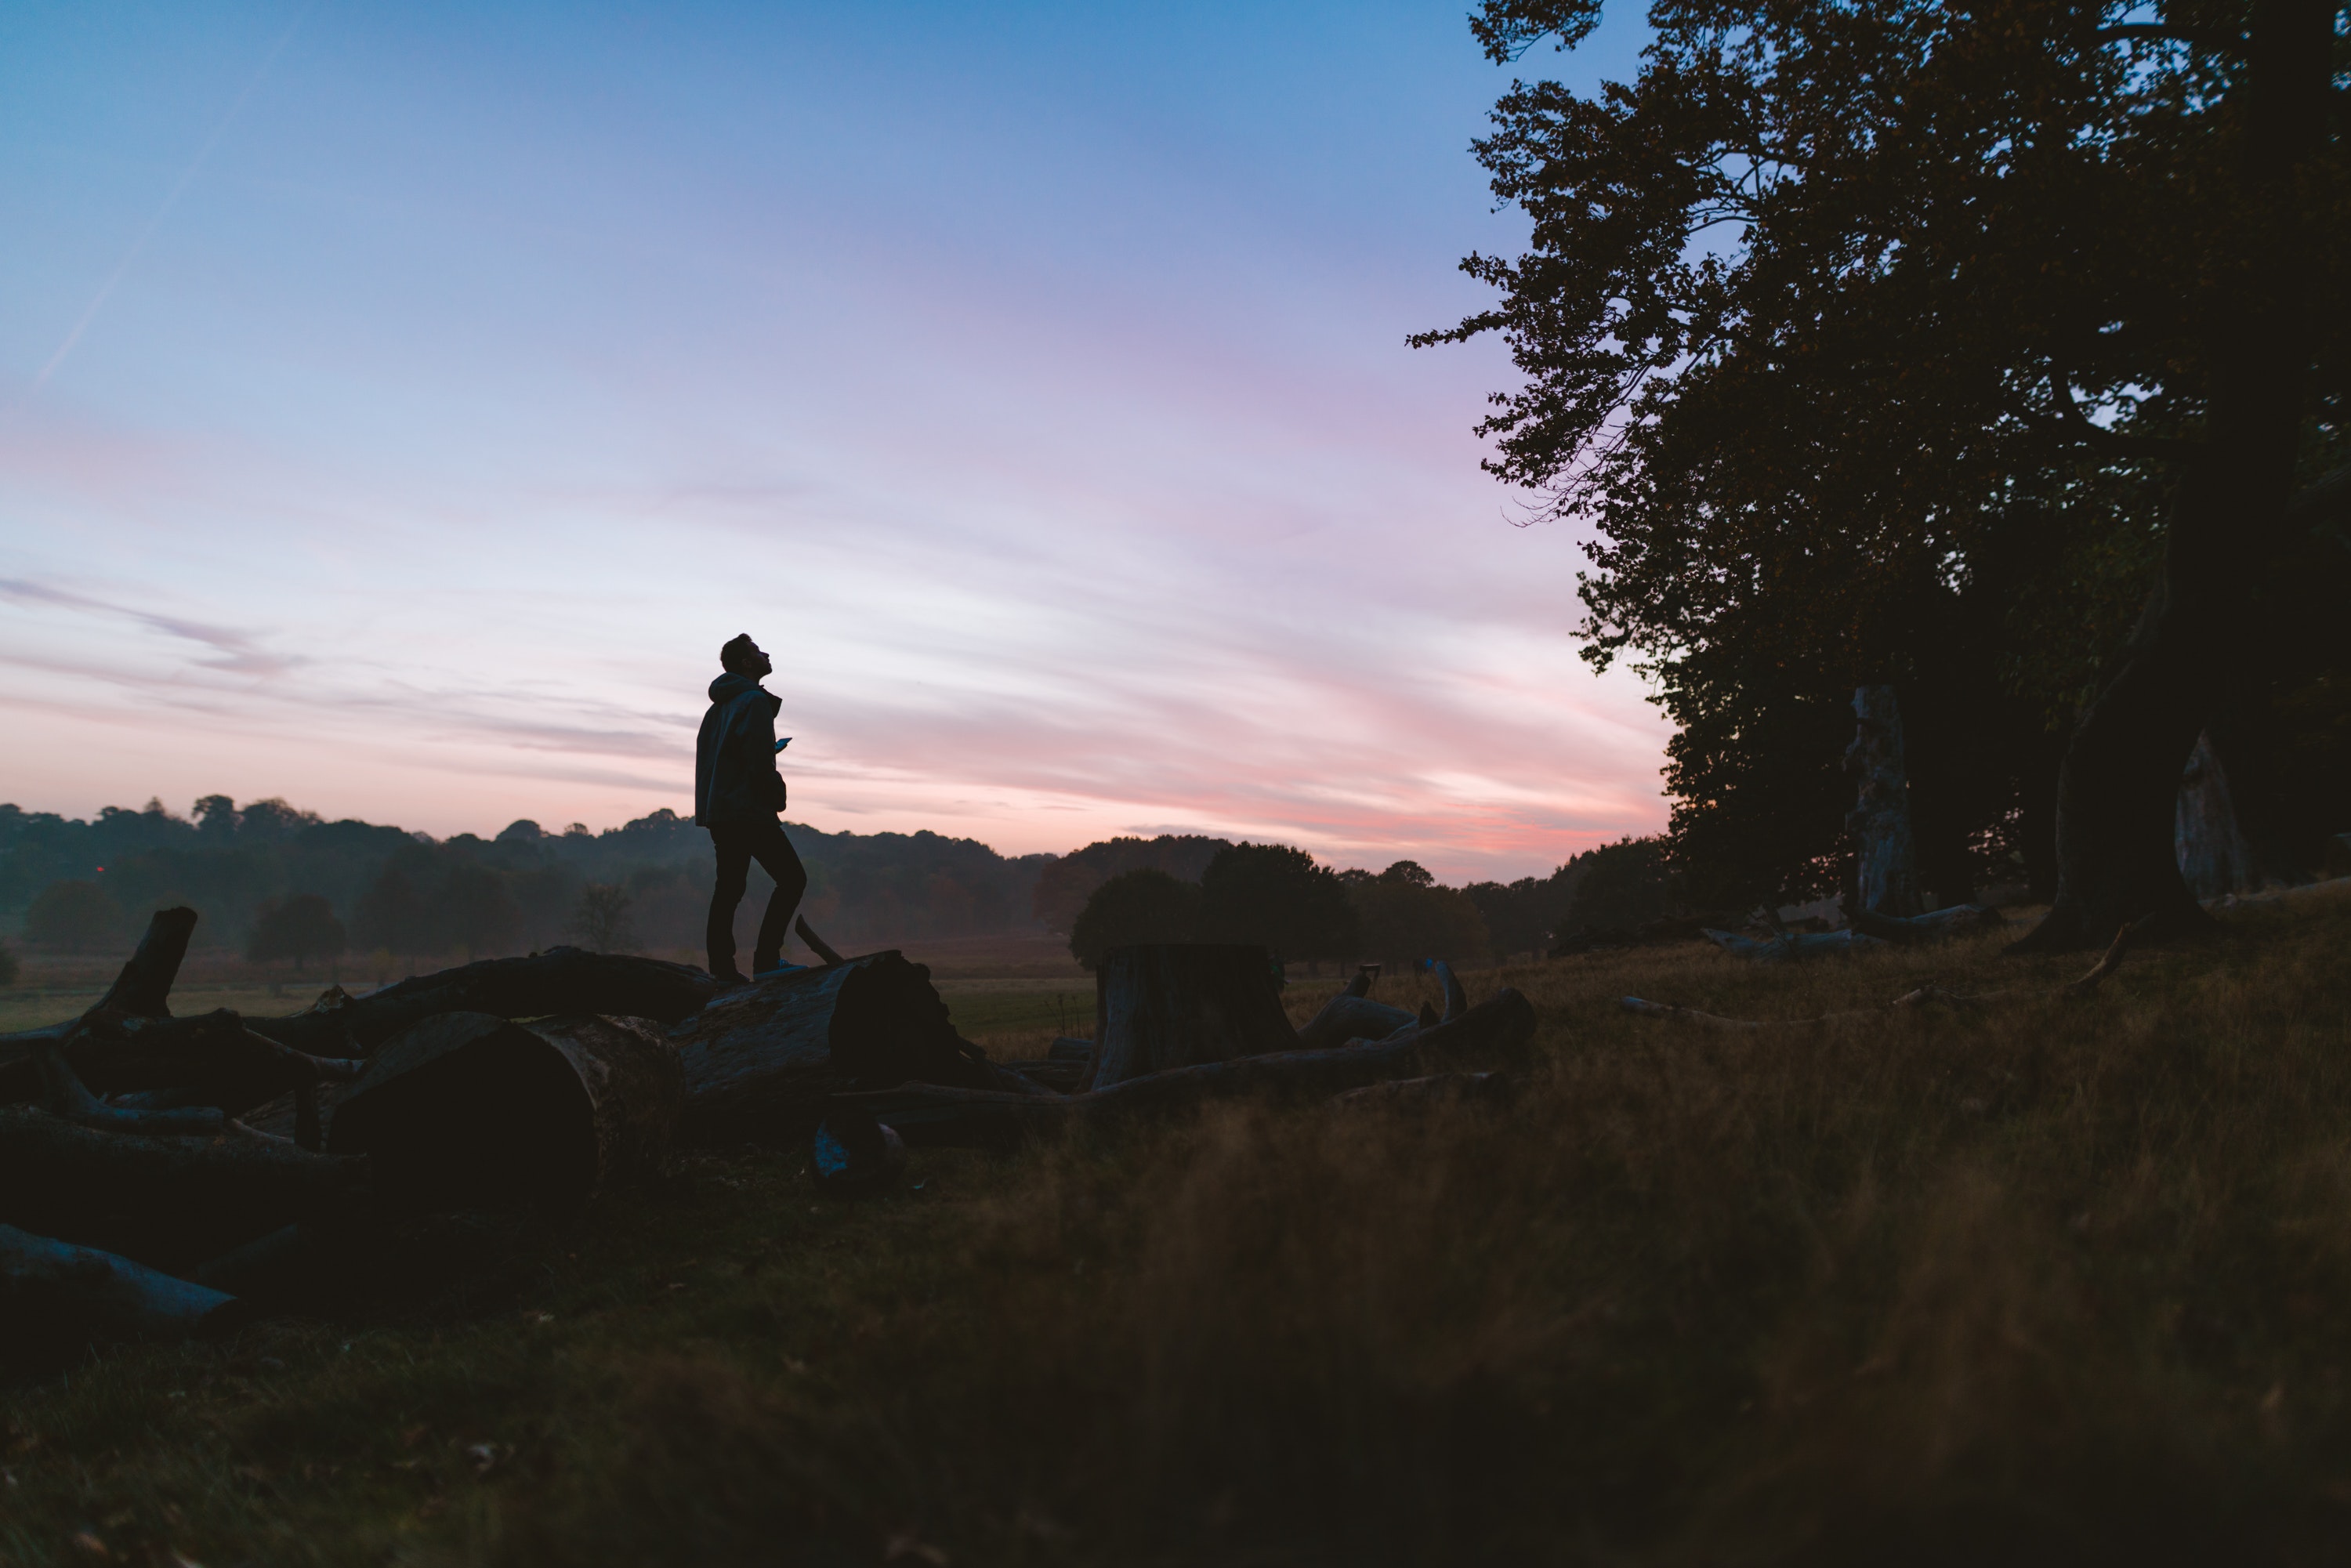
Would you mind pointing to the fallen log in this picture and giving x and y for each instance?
(762, 1062)
(1184, 1004)
(165, 1201)
(468, 1111)
(1925, 996)
(1935, 925)
(1789, 945)
(926, 1114)
(1352, 1015)
(209, 1059)
(1438, 1089)
(57, 1298)
(144, 988)
(561, 981)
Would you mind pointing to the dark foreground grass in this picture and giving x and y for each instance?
(2056, 1281)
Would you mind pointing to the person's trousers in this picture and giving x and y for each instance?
(738, 844)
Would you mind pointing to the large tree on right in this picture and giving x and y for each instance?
(1840, 313)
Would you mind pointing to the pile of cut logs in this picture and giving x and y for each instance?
(162, 1174)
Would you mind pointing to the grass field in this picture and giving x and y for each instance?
(2054, 1280)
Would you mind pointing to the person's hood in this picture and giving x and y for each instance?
(730, 686)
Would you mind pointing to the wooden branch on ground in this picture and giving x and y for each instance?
(209, 1059)
(1925, 996)
(67, 1096)
(164, 1201)
(1790, 946)
(1438, 1089)
(58, 1297)
(928, 1114)
(816, 944)
(1351, 1015)
(144, 988)
(1935, 925)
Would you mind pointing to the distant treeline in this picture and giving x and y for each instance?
(1176, 888)
(87, 886)
(278, 883)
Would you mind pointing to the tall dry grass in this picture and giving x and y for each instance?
(2058, 1279)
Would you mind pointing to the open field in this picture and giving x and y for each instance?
(2055, 1280)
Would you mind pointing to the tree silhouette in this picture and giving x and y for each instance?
(302, 929)
(601, 917)
(1865, 339)
(1276, 897)
(1136, 906)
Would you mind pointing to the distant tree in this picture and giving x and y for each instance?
(268, 821)
(1518, 916)
(1136, 906)
(1403, 914)
(1276, 897)
(215, 817)
(1064, 885)
(601, 919)
(521, 830)
(74, 916)
(1625, 885)
(472, 910)
(302, 929)
(8, 968)
(390, 914)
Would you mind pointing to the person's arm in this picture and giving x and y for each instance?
(763, 740)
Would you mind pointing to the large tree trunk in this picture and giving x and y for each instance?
(1885, 858)
(1182, 1004)
(168, 1202)
(761, 1062)
(2232, 515)
(468, 1111)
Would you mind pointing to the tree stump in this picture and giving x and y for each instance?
(1885, 858)
(1182, 1005)
(468, 1111)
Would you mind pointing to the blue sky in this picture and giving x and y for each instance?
(398, 405)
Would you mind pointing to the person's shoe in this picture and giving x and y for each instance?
(727, 975)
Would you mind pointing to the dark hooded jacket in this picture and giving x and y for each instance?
(735, 776)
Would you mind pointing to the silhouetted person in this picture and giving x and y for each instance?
(736, 794)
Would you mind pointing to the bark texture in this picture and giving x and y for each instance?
(927, 1113)
(2211, 848)
(1181, 1005)
(470, 1112)
(1886, 856)
(762, 1062)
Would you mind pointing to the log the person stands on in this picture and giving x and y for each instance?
(141, 1185)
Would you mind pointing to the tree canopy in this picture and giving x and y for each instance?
(1916, 341)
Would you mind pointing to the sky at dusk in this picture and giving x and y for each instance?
(398, 405)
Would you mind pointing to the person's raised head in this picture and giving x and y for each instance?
(743, 657)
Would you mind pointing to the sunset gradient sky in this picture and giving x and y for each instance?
(399, 404)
